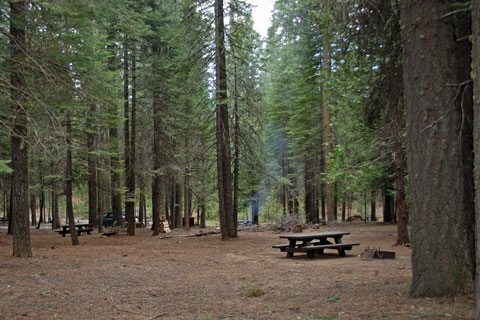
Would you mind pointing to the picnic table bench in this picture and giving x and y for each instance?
(314, 243)
(81, 228)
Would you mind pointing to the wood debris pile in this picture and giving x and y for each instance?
(288, 222)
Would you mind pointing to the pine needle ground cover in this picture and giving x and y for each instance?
(145, 277)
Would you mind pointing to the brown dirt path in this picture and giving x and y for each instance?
(145, 277)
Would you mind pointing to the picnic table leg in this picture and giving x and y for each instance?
(292, 245)
(341, 252)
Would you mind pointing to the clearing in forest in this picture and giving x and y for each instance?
(145, 277)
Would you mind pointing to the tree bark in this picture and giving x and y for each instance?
(442, 217)
(19, 145)
(92, 171)
(33, 207)
(224, 175)
(327, 138)
(178, 204)
(387, 210)
(476, 107)
(373, 206)
(236, 122)
(401, 209)
(158, 198)
(203, 214)
(69, 183)
(309, 177)
(55, 211)
(129, 171)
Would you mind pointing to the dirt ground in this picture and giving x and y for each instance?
(145, 277)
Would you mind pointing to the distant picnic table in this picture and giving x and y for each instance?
(81, 228)
(315, 243)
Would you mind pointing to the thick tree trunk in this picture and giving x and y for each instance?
(227, 227)
(69, 183)
(19, 145)
(441, 196)
(476, 107)
(92, 171)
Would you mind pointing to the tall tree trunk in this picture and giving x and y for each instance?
(129, 173)
(178, 205)
(33, 207)
(236, 145)
(186, 208)
(103, 177)
(284, 186)
(227, 227)
(203, 213)
(401, 209)
(55, 211)
(322, 200)
(236, 119)
(373, 206)
(115, 188)
(344, 205)
(158, 198)
(92, 171)
(142, 204)
(69, 183)
(387, 210)
(173, 209)
(326, 116)
(42, 201)
(476, 107)
(309, 177)
(19, 145)
(9, 213)
(442, 202)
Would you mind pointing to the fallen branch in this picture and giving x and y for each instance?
(158, 316)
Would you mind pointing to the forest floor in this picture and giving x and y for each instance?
(145, 277)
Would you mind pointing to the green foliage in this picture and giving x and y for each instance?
(4, 167)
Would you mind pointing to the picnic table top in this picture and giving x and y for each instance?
(314, 235)
(76, 225)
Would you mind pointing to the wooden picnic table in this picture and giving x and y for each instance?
(80, 227)
(315, 243)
